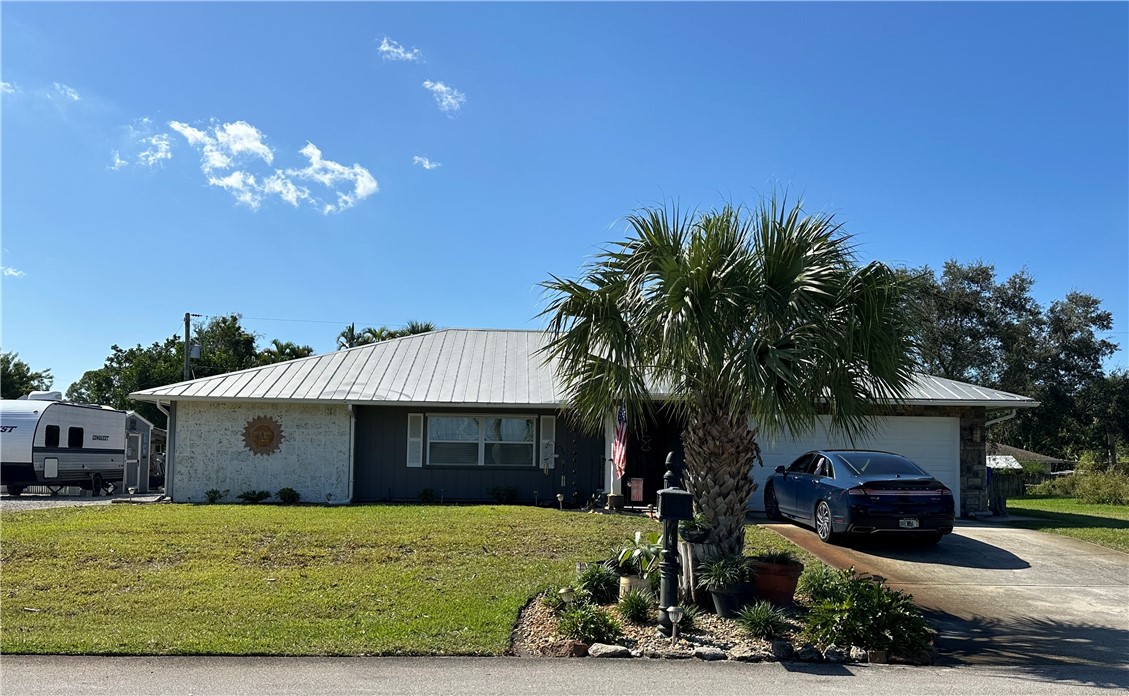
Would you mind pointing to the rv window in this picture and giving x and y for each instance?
(74, 438)
(51, 436)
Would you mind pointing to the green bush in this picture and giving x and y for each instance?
(588, 623)
(1057, 486)
(288, 496)
(253, 496)
(820, 582)
(1102, 488)
(503, 495)
(724, 571)
(635, 606)
(552, 599)
(599, 582)
(213, 495)
(763, 620)
(427, 495)
(870, 615)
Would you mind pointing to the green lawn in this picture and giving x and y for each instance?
(243, 579)
(1107, 525)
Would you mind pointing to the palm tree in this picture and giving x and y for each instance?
(747, 321)
(376, 335)
(351, 338)
(415, 327)
(281, 351)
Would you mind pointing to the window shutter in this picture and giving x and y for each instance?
(548, 442)
(415, 440)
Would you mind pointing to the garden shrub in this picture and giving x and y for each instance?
(689, 618)
(288, 495)
(253, 496)
(599, 582)
(552, 600)
(820, 582)
(588, 623)
(503, 495)
(635, 606)
(1102, 488)
(213, 495)
(763, 620)
(868, 614)
(427, 495)
(1057, 486)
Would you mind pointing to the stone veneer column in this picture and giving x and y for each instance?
(973, 461)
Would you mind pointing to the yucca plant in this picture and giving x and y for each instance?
(636, 605)
(740, 316)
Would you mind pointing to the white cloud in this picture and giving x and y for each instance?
(241, 185)
(330, 174)
(118, 162)
(425, 162)
(159, 149)
(393, 50)
(448, 98)
(226, 144)
(66, 92)
(281, 186)
(8, 87)
(10, 272)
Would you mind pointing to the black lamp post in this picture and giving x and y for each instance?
(675, 505)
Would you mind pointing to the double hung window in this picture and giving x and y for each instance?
(508, 441)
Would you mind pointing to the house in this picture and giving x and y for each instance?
(462, 412)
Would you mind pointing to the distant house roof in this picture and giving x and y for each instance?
(1003, 461)
(478, 367)
(996, 448)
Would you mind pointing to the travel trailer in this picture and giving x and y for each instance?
(45, 441)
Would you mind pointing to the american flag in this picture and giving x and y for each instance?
(619, 447)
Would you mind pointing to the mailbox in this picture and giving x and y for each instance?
(675, 504)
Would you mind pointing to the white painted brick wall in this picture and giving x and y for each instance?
(313, 459)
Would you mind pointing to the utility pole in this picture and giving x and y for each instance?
(188, 345)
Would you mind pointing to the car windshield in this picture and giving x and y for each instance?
(871, 463)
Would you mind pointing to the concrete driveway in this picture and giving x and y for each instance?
(1001, 595)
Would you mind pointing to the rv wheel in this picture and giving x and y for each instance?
(96, 485)
(15, 490)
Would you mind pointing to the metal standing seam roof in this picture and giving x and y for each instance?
(479, 367)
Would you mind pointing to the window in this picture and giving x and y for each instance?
(51, 436)
(800, 466)
(508, 441)
(74, 438)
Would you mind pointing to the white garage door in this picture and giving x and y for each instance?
(932, 443)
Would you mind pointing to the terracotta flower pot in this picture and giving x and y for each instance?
(776, 582)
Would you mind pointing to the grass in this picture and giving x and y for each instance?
(272, 580)
(1106, 525)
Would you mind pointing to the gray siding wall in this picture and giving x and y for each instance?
(381, 471)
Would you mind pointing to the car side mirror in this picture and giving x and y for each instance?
(780, 469)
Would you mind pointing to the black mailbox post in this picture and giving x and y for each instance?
(675, 505)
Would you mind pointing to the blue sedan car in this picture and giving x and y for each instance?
(860, 492)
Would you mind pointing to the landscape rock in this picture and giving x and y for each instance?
(744, 653)
(809, 653)
(603, 650)
(782, 650)
(674, 655)
(565, 648)
(877, 657)
(835, 654)
(652, 653)
(857, 654)
(709, 654)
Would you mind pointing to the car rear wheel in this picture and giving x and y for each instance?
(931, 538)
(823, 526)
(771, 505)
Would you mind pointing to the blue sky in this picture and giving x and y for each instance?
(507, 141)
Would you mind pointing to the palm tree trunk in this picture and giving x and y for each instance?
(720, 451)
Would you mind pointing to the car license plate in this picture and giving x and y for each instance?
(908, 523)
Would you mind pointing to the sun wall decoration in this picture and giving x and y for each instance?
(263, 435)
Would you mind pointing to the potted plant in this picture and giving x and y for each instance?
(637, 559)
(777, 573)
(730, 582)
(696, 530)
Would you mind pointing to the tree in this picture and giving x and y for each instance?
(281, 351)
(225, 346)
(351, 338)
(742, 317)
(17, 378)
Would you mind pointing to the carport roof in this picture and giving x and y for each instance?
(456, 367)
